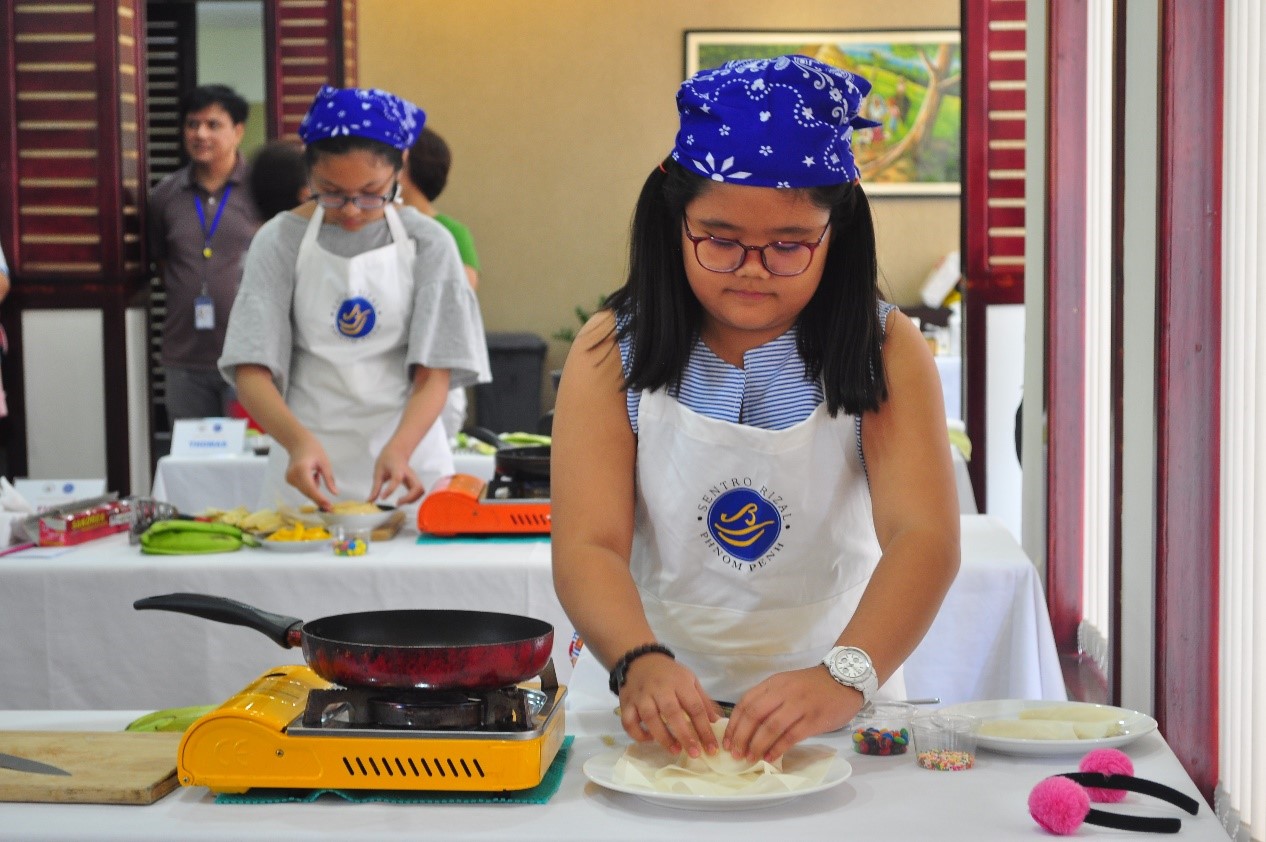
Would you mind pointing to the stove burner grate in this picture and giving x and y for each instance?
(517, 487)
(500, 710)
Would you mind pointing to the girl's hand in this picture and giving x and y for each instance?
(392, 471)
(786, 708)
(308, 468)
(663, 701)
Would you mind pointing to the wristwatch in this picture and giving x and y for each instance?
(851, 667)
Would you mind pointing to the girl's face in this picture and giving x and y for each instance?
(750, 306)
(358, 174)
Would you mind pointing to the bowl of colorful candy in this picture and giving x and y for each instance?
(882, 728)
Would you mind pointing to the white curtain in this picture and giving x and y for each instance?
(1092, 634)
(1240, 799)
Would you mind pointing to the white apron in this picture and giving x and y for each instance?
(348, 377)
(751, 547)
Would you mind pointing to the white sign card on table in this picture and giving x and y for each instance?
(44, 494)
(208, 437)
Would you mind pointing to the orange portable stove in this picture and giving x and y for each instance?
(462, 504)
(291, 729)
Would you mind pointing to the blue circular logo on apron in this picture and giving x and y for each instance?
(355, 318)
(744, 523)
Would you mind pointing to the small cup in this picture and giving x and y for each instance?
(882, 728)
(350, 542)
(944, 742)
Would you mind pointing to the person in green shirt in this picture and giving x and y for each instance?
(423, 179)
(426, 173)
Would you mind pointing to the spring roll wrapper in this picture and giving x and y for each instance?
(649, 766)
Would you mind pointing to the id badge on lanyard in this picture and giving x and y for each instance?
(204, 305)
(204, 311)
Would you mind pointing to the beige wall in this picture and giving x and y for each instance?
(557, 109)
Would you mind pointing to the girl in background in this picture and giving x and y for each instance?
(354, 319)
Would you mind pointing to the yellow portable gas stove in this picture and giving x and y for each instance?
(289, 728)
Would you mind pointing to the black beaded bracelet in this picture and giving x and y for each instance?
(621, 669)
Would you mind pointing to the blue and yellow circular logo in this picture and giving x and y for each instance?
(355, 318)
(744, 523)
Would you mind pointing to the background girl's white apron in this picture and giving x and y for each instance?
(348, 377)
(751, 547)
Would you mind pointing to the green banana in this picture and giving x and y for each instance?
(171, 719)
(521, 438)
(185, 537)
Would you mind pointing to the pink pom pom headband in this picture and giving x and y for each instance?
(1061, 803)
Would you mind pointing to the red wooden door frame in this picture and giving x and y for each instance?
(1065, 363)
(1188, 383)
(1188, 345)
(992, 257)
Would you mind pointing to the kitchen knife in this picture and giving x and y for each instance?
(23, 764)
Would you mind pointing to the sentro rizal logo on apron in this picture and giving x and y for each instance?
(355, 318)
(743, 522)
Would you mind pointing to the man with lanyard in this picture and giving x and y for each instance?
(201, 221)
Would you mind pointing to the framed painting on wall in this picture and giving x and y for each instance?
(916, 96)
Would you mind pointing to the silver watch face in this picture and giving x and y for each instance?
(851, 664)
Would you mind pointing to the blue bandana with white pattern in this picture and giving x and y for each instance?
(780, 122)
(362, 112)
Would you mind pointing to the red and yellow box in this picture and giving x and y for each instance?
(70, 525)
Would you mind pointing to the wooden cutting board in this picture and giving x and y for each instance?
(106, 767)
(389, 529)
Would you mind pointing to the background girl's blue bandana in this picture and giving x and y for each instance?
(362, 112)
(780, 122)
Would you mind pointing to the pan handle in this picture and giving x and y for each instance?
(225, 610)
(487, 437)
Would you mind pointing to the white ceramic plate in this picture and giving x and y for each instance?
(601, 767)
(1133, 723)
(368, 521)
(296, 546)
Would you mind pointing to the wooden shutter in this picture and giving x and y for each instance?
(71, 176)
(314, 44)
(993, 188)
(74, 190)
(171, 47)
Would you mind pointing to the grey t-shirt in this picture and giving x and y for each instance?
(177, 236)
(445, 328)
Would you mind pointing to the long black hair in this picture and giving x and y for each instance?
(839, 333)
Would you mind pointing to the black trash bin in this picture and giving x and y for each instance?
(512, 401)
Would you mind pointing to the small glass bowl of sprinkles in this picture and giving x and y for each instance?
(882, 728)
(944, 742)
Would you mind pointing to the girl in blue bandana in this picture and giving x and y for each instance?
(753, 498)
(354, 319)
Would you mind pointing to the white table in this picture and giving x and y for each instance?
(194, 484)
(950, 370)
(992, 638)
(962, 484)
(84, 646)
(884, 798)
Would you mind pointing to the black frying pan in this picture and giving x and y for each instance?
(514, 460)
(411, 648)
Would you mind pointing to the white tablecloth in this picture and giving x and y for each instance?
(84, 646)
(962, 484)
(888, 798)
(193, 484)
(992, 637)
(951, 371)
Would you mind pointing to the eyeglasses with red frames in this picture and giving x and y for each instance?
(718, 254)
